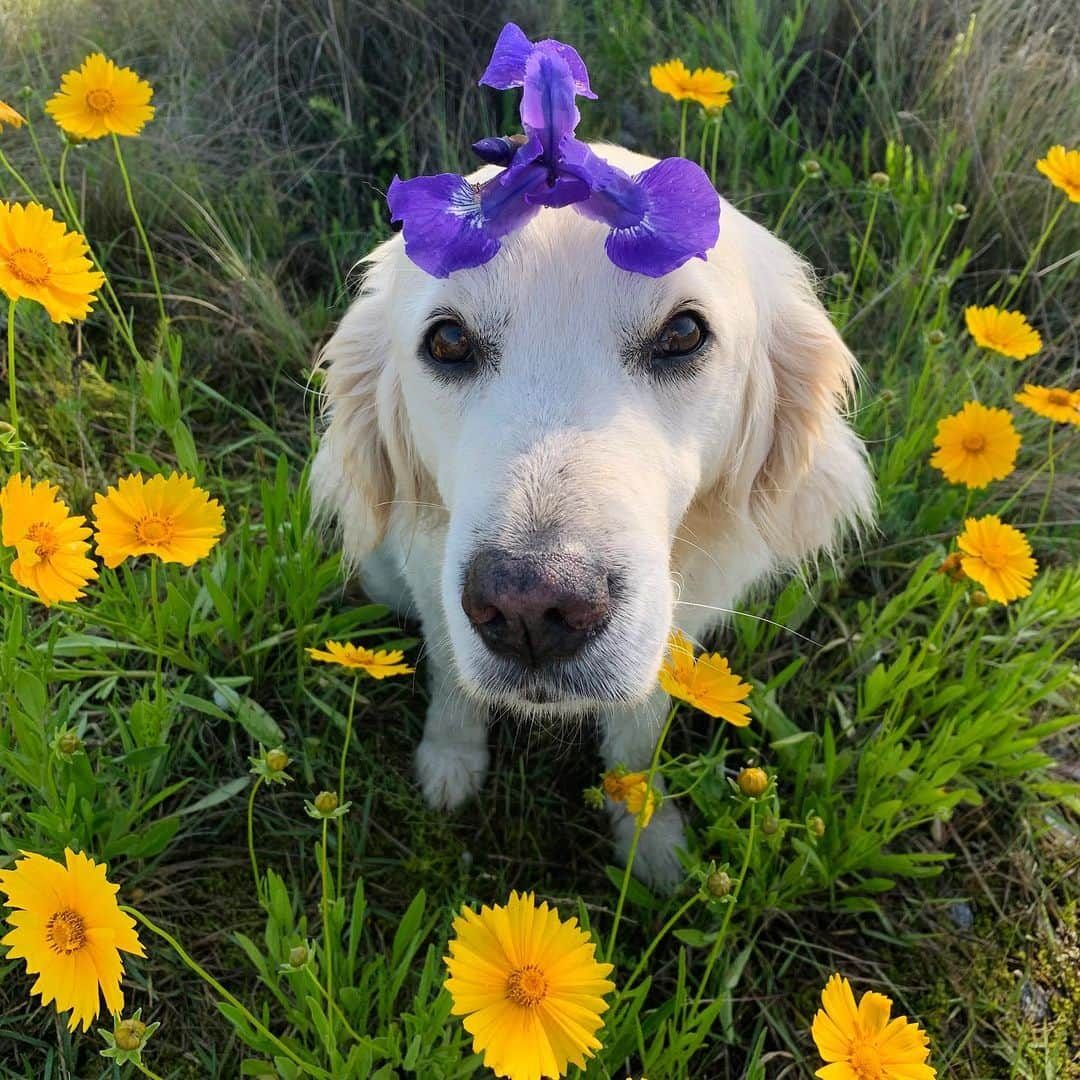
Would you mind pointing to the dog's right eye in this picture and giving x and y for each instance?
(448, 343)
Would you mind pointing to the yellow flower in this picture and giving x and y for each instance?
(101, 99)
(40, 260)
(1062, 168)
(862, 1043)
(632, 788)
(51, 544)
(529, 986)
(976, 445)
(998, 557)
(1053, 402)
(1006, 332)
(378, 665)
(8, 115)
(70, 931)
(710, 89)
(707, 683)
(164, 516)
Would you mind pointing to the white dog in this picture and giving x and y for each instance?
(553, 462)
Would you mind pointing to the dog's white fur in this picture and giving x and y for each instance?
(689, 490)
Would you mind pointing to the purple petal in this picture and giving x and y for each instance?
(505, 199)
(616, 199)
(680, 218)
(443, 223)
(547, 105)
(496, 150)
(506, 68)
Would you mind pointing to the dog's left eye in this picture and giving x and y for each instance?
(682, 335)
(447, 342)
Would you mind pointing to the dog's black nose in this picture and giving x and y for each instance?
(536, 607)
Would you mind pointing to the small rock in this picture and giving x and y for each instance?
(961, 915)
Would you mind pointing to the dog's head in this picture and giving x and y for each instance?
(581, 431)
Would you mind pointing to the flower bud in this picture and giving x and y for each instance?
(298, 956)
(936, 337)
(770, 825)
(978, 598)
(887, 396)
(129, 1034)
(839, 278)
(958, 210)
(732, 75)
(69, 743)
(817, 826)
(753, 782)
(277, 760)
(952, 566)
(879, 181)
(326, 802)
(811, 168)
(718, 883)
(6, 428)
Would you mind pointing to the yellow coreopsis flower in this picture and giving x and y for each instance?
(164, 516)
(710, 89)
(100, 99)
(976, 445)
(51, 543)
(1062, 168)
(707, 683)
(379, 665)
(998, 557)
(70, 931)
(41, 261)
(862, 1042)
(10, 116)
(1006, 332)
(633, 790)
(529, 986)
(1054, 402)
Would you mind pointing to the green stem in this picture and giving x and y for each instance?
(17, 177)
(13, 404)
(1022, 277)
(159, 688)
(715, 151)
(637, 831)
(862, 256)
(251, 838)
(790, 203)
(235, 1002)
(328, 948)
(341, 787)
(1049, 463)
(920, 296)
(664, 930)
(1049, 479)
(715, 951)
(145, 1070)
(140, 230)
(682, 129)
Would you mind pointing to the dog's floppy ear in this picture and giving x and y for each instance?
(364, 460)
(814, 480)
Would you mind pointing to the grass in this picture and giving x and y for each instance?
(934, 739)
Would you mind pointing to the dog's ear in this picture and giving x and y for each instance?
(814, 481)
(364, 460)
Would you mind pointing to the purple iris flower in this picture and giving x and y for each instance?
(658, 219)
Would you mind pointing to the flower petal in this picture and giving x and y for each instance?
(506, 68)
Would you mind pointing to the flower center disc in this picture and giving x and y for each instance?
(994, 557)
(47, 544)
(526, 986)
(154, 530)
(866, 1063)
(65, 932)
(29, 266)
(1059, 397)
(974, 443)
(100, 101)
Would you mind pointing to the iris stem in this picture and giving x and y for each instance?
(796, 192)
(198, 969)
(722, 934)
(140, 230)
(251, 838)
(1022, 276)
(682, 129)
(638, 828)
(13, 403)
(328, 948)
(341, 786)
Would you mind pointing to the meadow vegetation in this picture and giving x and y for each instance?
(918, 826)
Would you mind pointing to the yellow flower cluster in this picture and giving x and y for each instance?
(167, 517)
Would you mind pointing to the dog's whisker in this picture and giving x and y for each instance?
(750, 615)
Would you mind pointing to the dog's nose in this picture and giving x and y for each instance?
(536, 607)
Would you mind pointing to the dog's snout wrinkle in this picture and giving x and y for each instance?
(536, 607)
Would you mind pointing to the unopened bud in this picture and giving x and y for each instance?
(769, 824)
(326, 802)
(811, 168)
(129, 1034)
(978, 598)
(718, 883)
(958, 210)
(753, 782)
(879, 181)
(298, 956)
(277, 760)
(817, 826)
(69, 743)
(936, 337)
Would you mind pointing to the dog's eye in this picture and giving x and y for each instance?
(683, 334)
(447, 342)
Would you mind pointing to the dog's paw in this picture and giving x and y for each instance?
(656, 861)
(450, 772)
